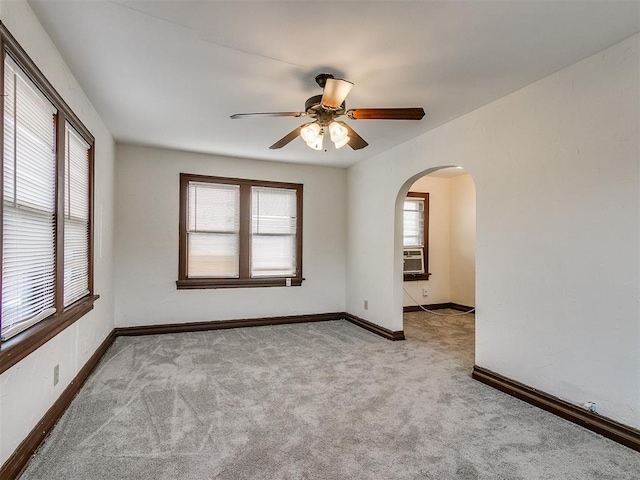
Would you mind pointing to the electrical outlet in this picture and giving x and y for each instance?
(424, 292)
(366, 304)
(56, 375)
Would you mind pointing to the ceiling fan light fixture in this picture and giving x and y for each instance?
(316, 144)
(337, 132)
(310, 132)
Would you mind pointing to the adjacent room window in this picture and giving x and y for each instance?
(239, 233)
(415, 236)
(47, 165)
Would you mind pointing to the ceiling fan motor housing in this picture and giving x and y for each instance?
(314, 109)
(312, 102)
(321, 79)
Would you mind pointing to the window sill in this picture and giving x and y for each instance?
(412, 277)
(18, 347)
(196, 283)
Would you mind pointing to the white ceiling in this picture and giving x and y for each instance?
(169, 73)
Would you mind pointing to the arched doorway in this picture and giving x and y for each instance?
(437, 216)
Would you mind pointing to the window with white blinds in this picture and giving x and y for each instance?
(46, 203)
(413, 231)
(28, 204)
(273, 232)
(76, 217)
(239, 233)
(214, 230)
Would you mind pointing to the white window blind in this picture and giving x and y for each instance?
(413, 231)
(273, 232)
(29, 167)
(213, 230)
(76, 217)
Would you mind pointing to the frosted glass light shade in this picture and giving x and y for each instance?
(317, 143)
(310, 132)
(338, 132)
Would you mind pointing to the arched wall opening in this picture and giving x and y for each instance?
(449, 243)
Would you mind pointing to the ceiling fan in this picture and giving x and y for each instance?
(325, 108)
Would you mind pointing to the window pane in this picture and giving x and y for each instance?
(213, 255)
(273, 231)
(273, 210)
(76, 215)
(413, 231)
(273, 255)
(76, 261)
(213, 230)
(29, 201)
(214, 207)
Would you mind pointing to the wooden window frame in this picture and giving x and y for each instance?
(245, 280)
(408, 277)
(26, 342)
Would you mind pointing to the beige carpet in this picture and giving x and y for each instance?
(313, 401)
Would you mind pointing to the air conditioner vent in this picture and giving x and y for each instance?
(413, 260)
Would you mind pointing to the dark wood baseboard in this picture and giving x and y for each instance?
(257, 322)
(224, 324)
(611, 429)
(431, 306)
(461, 308)
(13, 467)
(372, 327)
(438, 306)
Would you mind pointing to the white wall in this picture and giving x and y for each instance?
(555, 166)
(439, 243)
(26, 389)
(462, 259)
(147, 194)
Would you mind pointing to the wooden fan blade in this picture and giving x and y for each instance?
(335, 91)
(386, 113)
(269, 114)
(287, 138)
(356, 142)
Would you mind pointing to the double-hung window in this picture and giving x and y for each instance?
(415, 232)
(47, 165)
(239, 233)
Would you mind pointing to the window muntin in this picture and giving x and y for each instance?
(236, 232)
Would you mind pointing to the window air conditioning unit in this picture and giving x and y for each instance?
(413, 260)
